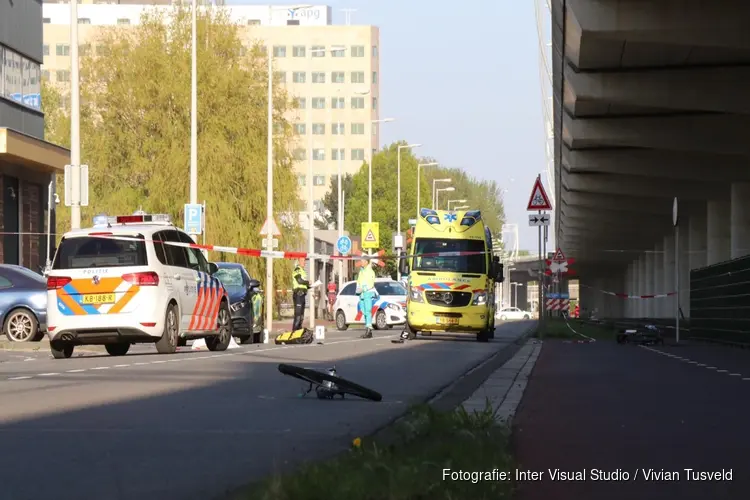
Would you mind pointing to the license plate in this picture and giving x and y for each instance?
(98, 298)
(446, 321)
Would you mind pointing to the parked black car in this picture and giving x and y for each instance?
(243, 292)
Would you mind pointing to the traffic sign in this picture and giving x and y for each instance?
(538, 199)
(344, 245)
(193, 218)
(274, 228)
(538, 220)
(559, 256)
(370, 235)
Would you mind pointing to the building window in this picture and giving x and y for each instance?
(318, 77)
(298, 51)
(280, 76)
(358, 154)
(279, 51)
(375, 103)
(299, 77)
(85, 49)
(358, 128)
(338, 52)
(338, 154)
(253, 22)
(62, 75)
(62, 49)
(46, 20)
(300, 154)
(84, 20)
(45, 50)
(101, 50)
(374, 51)
(122, 21)
(319, 128)
(300, 129)
(45, 75)
(319, 154)
(374, 77)
(358, 51)
(318, 50)
(337, 102)
(300, 103)
(337, 77)
(337, 129)
(319, 103)
(358, 103)
(319, 180)
(358, 77)
(301, 179)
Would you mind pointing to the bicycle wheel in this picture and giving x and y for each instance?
(343, 385)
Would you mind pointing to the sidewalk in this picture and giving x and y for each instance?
(625, 409)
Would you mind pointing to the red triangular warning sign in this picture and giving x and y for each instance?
(559, 256)
(538, 199)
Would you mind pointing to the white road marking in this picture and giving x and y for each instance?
(695, 363)
(120, 366)
(19, 378)
(51, 374)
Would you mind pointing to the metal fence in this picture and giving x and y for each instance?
(720, 301)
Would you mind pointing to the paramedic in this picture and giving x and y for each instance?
(366, 287)
(300, 285)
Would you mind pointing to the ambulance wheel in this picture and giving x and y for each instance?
(483, 336)
(61, 350)
(169, 340)
(221, 340)
(341, 320)
(117, 349)
(246, 339)
(380, 322)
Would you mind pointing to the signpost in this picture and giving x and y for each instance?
(539, 202)
(344, 245)
(193, 218)
(675, 223)
(370, 235)
(539, 220)
(269, 231)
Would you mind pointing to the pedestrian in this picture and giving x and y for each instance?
(300, 286)
(332, 292)
(366, 289)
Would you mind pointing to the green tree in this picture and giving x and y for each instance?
(135, 130)
(330, 201)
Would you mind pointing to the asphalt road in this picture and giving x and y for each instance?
(190, 425)
(628, 408)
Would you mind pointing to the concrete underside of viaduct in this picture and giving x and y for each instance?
(651, 103)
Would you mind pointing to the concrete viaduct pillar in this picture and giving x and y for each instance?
(659, 309)
(648, 304)
(740, 219)
(684, 269)
(668, 275)
(629, 290)
(642, 286)
(718, 232)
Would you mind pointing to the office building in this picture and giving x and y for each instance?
(331, 70)
(28, 164)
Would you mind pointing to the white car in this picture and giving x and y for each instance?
(512, 313)
(116, 284)
(388, 309)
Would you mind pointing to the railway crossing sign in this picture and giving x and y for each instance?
(538, 199)
(370, 235)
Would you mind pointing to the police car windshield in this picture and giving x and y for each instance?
(390, 288)
(91, 251)
(475, 264)
(229, 277)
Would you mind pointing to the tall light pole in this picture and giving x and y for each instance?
(462, 207)
(455, 201)
(398, 200)
(269, 169)
(515, 292)
(419, 182)
(434, 191)
(368, 156)
(437, 193)
(75, 122)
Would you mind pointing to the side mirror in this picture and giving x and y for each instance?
(498, 272)
(403, 266)
(212, 268)
(253, 285)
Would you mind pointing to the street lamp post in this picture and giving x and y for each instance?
(398, 201)
(75, 122)
(434, 191)
(455, 201)
(419, 182)
(437, 193)
(462, 207)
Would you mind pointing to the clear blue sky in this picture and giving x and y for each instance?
(462, 78)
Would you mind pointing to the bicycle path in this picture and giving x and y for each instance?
(626, 409)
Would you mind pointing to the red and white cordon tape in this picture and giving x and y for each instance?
(558, 304)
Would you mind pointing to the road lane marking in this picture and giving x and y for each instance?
(51, 374)
(120, 366)
(20, 378)
(689, 361)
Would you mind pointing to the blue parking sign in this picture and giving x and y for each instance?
(193, 218)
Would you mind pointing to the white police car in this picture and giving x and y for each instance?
(388, 309)
(119, 283)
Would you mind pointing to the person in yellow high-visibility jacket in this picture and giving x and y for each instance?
(366, 290)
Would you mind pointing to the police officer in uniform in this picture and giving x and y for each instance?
(300, 285)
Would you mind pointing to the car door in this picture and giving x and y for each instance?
(183, 278)
(205, 290)
(349, 301)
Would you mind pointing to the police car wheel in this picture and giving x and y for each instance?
(61, 350)
(169, 340)
(380, 321)
(223, 337)
(341, 321)
(117, 349)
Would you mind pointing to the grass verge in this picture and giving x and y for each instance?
(430, 441)
(556, 328)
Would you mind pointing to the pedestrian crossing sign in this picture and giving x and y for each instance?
(370, 235)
